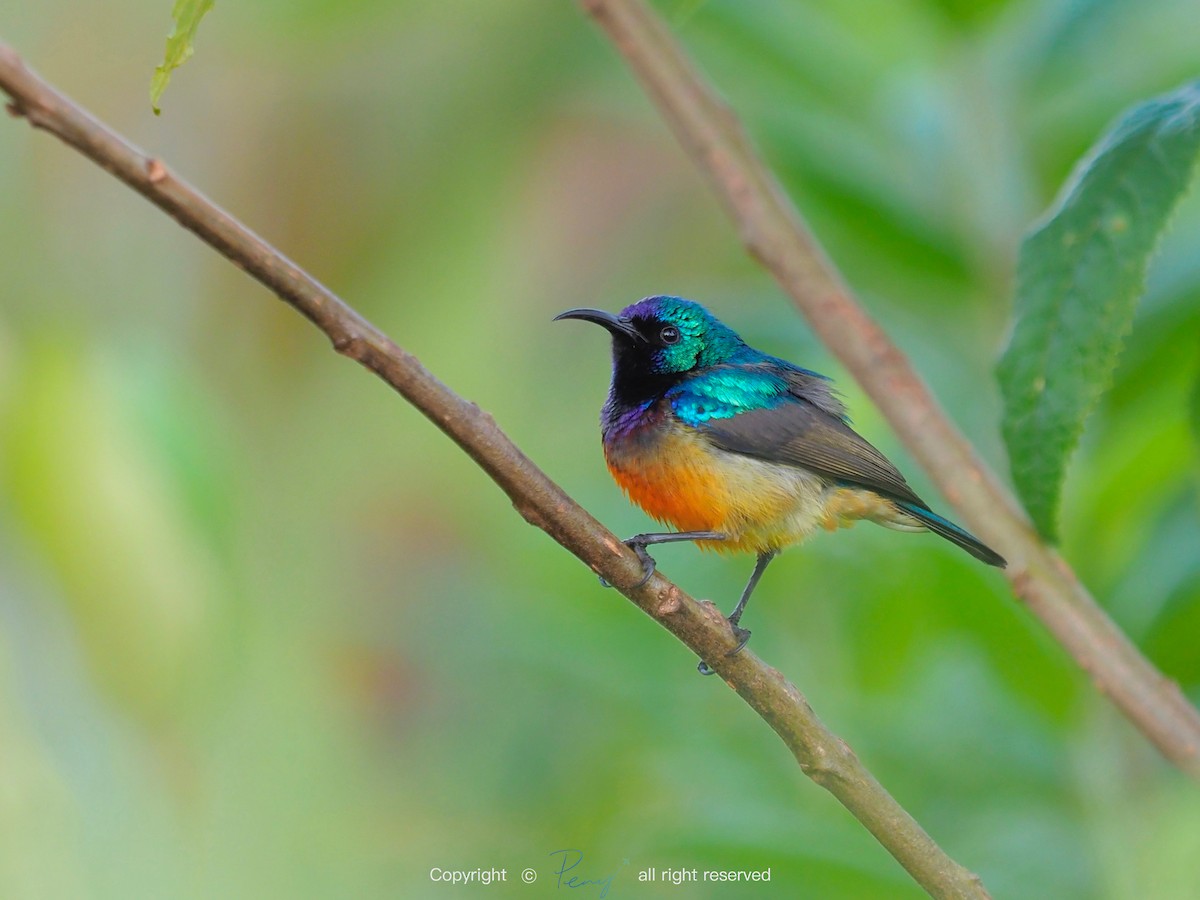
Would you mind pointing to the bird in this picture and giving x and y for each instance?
(738, 450)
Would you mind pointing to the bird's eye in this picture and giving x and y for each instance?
(669, 334)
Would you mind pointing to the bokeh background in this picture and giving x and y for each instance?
(265, 633)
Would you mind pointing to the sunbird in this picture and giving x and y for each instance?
(739, 450)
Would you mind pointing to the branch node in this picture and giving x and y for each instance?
(821, 768)
(351, 344)
(668, 604)
(531, 514)
(155, 171)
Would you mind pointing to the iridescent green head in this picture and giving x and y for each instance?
(662, 338)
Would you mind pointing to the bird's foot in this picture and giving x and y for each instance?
(648, 563)
(741, 635)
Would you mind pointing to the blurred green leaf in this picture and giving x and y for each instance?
(187, 15)
(1194, 408)
(1079, 275)
(1171, 643)
(97, 505)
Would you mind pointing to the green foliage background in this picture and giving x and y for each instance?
(263, 632)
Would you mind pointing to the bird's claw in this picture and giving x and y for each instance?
(741, 635)
(648, 564)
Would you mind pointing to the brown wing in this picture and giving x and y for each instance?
(797, 433)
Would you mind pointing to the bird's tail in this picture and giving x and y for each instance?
(953, 533)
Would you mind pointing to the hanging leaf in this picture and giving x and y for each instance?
(1080, 273)
(187, 15)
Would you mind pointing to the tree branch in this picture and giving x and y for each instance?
(823, 756)
(775, 234)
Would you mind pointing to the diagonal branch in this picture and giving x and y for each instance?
(823, 756)
(773, 232)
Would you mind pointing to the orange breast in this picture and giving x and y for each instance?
(676, 477)
(675, 481)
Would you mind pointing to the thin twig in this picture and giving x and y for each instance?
(823, 756)
(774, 233)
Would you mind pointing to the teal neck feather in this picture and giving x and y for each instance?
(724, 392)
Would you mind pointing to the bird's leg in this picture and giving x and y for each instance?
(734, 617)
(742, 634)
(639, 542)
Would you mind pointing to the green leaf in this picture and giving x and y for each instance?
(1080, 273)
(187, 15)
(1194, 409)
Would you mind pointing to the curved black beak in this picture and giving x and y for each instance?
(618, 325)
